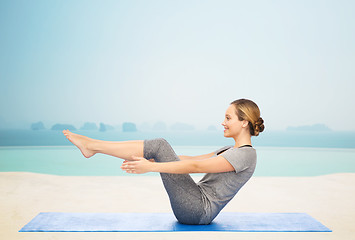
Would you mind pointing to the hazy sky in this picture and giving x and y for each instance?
(176, 61)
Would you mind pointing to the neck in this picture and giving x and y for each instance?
(243, 139)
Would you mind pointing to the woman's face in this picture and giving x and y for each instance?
(232, 125)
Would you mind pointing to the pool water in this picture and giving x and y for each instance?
(272, 161)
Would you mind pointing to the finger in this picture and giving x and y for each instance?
(125, 165)
(128, 163)
(132, 164)
(125, 168)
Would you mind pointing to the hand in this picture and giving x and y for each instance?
(138, 165)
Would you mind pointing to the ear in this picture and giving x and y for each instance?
(245, 123)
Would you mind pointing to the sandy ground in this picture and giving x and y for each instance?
(329, 198)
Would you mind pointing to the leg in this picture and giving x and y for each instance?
(184, 194)
(89, 146)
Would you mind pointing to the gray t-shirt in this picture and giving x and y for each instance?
(219, 188)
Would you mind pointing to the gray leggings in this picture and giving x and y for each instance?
(184, 194)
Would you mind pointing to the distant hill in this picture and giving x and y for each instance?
(129, 127)
(37, 126)
(105, 127)
(159, 126)
(89, 126)
(59, 126)
(314, 128)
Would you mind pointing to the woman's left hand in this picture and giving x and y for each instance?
(138, 165)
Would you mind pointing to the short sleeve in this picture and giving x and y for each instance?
(240, 158)
(222, 148)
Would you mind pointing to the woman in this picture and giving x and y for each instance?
(228, 168)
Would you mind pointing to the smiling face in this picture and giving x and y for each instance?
(232, 125)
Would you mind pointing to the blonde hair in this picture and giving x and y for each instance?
(249, 111)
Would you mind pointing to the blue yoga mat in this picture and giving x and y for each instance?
(166, 222)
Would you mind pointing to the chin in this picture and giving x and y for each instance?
(226, 135)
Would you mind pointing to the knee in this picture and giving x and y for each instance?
(152, 147)
(161, 142)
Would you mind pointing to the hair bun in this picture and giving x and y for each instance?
(259, 126)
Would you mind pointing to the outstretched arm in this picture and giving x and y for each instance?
(207, 165)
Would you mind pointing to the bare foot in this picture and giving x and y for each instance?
(82, 142)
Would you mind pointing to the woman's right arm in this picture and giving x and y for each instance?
(199, 157)
(209, 165)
